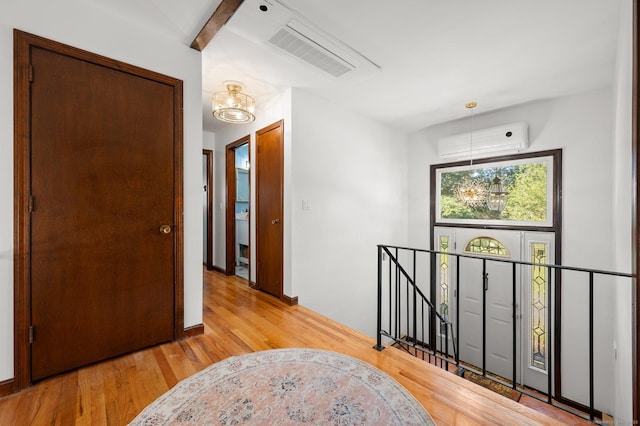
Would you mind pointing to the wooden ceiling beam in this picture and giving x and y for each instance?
(220, 16)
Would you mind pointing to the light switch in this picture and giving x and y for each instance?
(306, 205)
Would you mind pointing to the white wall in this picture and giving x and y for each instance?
(208, 140)
(352, 171)
(622, 211)
(582, 126)
(78, 24)
(220, 203)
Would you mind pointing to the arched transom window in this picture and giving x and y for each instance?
(486, 245)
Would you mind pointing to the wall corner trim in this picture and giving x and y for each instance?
(194, 330)
(6, 387)
(291, 301)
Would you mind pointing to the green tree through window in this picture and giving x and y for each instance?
(526, 186)
(528, 194)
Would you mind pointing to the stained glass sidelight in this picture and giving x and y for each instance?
(444, 277)
(538, 306)
(486, 245)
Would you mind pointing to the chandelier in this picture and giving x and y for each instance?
(233, 106)
(496, 196)
(471, 192)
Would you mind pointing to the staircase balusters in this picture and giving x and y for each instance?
(421, 318)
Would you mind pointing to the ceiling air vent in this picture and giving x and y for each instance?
(308, 50)
(276, 25)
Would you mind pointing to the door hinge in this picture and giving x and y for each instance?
(30, 334)
(30, 73)
(32, 204)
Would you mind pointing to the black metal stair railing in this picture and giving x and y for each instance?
(410, 329)
(407, 317)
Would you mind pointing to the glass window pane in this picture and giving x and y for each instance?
(516, 192)
(486, 245)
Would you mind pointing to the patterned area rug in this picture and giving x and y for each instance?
(287, 386)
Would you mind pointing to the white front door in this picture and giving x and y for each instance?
(496, 353)
(496, 289)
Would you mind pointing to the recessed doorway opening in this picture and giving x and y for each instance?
(238, 176)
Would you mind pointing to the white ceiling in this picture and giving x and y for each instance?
(434, 55)
(180, 21)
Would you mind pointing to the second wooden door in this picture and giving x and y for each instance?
(269, 208)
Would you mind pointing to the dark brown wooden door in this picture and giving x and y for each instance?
(102, 181)
(269, 208)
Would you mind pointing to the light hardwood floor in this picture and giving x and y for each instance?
(240, 320)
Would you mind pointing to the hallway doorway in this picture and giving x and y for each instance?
(207, 208)
(238, 178)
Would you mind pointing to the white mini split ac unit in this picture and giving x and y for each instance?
(499, 140)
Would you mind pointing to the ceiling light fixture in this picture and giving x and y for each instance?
(233, 106)
(472, 192)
